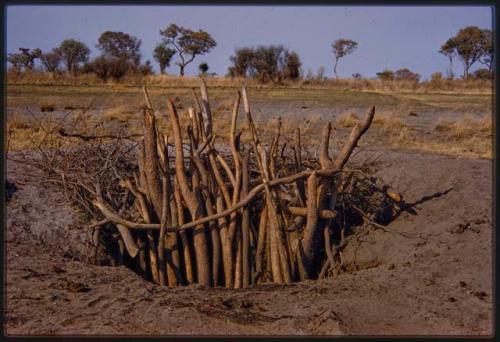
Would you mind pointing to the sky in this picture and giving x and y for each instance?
(388, 37)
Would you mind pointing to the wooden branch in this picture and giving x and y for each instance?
(324, 214)
(310, 231)
(203, 266)
(130, 244)
(356, 134)
(245, 225)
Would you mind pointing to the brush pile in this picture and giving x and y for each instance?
(179, 208)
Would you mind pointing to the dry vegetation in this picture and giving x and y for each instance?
(172, 81)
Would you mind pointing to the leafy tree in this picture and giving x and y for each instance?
(386, 75)
(242, 62)
(187, 43)
(265, 63)
(120, 45)
(292, 66)
(51, 60)
(108, 67)
(203, 67)
(341, 48)
(470, 45)
(25, 59)
(487, 56)
(448, 49)
(73, 52)
(163, 55)
(15, 60)
(146, 69)
(406, 75)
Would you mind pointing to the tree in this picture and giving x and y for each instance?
(163, 55)
(73, 52)
(108, 67)
(146, 68)
(487, 55)
(51, 60)
(341, 48)
(386, 75)
(25, 59)
(448, 49)
(242, 62)
(320, 73)
(265, 63)
(187, 43)
(292, 66)
(469, 45)
(203, 67)
(406, 75)
(120, 45)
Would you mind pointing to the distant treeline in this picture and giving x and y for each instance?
(120, 56)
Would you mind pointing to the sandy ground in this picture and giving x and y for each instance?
(427, 273)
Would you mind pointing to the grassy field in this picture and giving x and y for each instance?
(451, 123)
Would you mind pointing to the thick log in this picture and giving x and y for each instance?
(227, 258)
(309, 238)
(203, 265)
(261, 241)
(245, 226)
(128, 240)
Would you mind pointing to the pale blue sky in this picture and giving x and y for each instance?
(388, 37)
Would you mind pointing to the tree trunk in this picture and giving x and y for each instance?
(335, 68)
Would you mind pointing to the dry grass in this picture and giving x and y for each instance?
(349, 119)
(120, 114)
(466, 128)
(18, 121)
(24, 131)
(174, 81)
(467, 137)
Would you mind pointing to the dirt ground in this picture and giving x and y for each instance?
(429, 272)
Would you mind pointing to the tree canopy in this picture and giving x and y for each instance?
(163, 55)
(120, 45)
(342, 48)
(471, 44)
(265, 63)
(73, 52)
(187, 43)
(24, 59)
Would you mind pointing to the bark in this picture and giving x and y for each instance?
(195, 208)
(311, 230)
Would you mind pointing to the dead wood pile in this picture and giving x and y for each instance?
(181, 210)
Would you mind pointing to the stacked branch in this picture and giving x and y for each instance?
(186, 212)
(205, 220)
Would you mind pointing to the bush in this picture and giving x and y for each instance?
(108, 67)
(482, 74)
